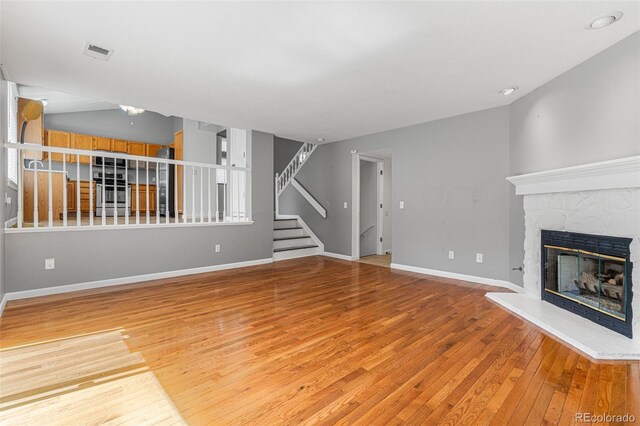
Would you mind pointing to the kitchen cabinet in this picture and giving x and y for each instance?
(81, 142)
(142, 193)
(119, 145)
(87, 189)
(34, 132)
(30, 178)
(101, 144)
(55, 138)
(137, 148)
(152, 149)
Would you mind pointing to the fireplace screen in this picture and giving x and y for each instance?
(591, 279)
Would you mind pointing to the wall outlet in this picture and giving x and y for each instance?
(50, 263)
(452, 255)
(217, 248)
(479, 257)
(7, 199)
(346, 205)
(402, 204)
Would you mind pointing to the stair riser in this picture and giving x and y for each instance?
(286, 233)
(292, 254)
(293, 243)
(279, 224)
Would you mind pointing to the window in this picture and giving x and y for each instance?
(12, 121)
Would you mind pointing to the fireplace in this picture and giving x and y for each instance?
(589, 275)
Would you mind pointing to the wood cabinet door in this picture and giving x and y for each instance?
(84, 142)
(56, 138)
(101, 144)
(143, 199)
(34, 132)
(152, 149)
(120, 145)
(137, 148)
(71, 196)
(42, 178)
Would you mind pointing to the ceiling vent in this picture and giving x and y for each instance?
(97, 52)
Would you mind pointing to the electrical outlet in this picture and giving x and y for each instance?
(217, 248)
(7, 199)
(402, 204)
(345, 205)
(479, 257)
(50, 263)
(452, 255)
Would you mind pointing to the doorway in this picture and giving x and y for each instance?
(371, 198)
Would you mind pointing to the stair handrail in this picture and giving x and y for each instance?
(283, 179)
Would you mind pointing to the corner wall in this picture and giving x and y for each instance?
(451, 175)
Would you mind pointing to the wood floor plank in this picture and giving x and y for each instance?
(306, 341)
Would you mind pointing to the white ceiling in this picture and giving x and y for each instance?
(302, 70)
(59, 102)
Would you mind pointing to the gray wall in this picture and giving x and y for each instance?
(451, 175)
(83, 256)
(590, 113)
(149, 127)
(283, 151)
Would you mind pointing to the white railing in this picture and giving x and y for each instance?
(283, 179)
(214, 197)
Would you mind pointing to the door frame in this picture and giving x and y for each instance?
(355, 203)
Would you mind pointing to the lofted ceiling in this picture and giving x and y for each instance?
(59, 102)
(304, 70)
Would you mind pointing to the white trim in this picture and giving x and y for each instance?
(355, 202)
(379, 209)
(11, 222)
(599, 342)
(130, 280)
(121, 227)
(307, 196)
(3, 303)
(461, 277)
(11, 184)
(612, 174)
(338, 256)
(306, 228)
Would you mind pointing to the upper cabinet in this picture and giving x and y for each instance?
(152, 149)
(101, 144)
(81, 142)
(119, 145)
(137, 148)
(55, 138)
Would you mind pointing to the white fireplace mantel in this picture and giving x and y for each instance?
(598, 198)
(611, 174)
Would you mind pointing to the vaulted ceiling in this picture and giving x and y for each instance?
(303, 70)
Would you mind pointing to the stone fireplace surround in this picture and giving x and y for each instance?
(599, 198)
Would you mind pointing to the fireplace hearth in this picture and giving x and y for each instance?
(590, 276)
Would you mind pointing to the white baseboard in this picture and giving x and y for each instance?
(462, 277)
(337, 256)
(3, 303)
(129, 280)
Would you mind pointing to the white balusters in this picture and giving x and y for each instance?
(104, 196)
(157, 193)
(201, 189)
(50, 200)
(64, 191)
(147, 190)
(115, 191)
(209, 195)
(90, 190)
(137, 195)
(193, 195)
(78, 212)
(176, 210)
(184, 194)
(127, 212)
(36, 219)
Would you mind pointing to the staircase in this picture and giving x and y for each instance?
(291, 240)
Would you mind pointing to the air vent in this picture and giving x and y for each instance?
(97, 52)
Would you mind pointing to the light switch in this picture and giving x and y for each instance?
(452, 255)
(50, 263)
(345, 204)
(479, 257)
(402, 204)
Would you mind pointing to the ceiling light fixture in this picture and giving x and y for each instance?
(131, 110)
(509, 90)
(605, 20)
(44, 102)
(320, 139)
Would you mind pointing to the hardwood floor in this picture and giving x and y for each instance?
(320, 340)
(379, 260)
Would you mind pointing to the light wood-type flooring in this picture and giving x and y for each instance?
(306, 341)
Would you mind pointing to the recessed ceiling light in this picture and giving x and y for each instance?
(509, 90)
(605, 20)
(320, 139)
(44, 102)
